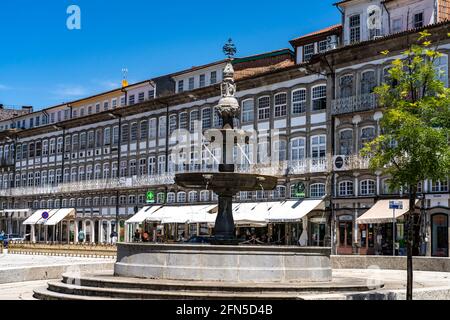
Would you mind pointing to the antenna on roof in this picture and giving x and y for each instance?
(124, 77)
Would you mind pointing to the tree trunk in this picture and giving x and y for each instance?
(410, 244)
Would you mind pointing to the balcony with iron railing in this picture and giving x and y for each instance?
(358, 103)
(280, 169)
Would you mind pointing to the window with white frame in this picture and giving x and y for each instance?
(153, 128)
(346, 188)
(298, 101)
(367, 187)
(264, 108)
(180, 86)
(107, 136)
(213, 78)
(323, 46)
(367, 135)
(193, 120)
(280, 104)
(397, 25)
(441, 68)
(319, 98)
(368, 82)
(141, 96)
(439, 186)
(181, 197)
(318, 146)
(346, 86)
(308, 51)
(247, 110)
(161, 164)
(172, 123)
(193, 196)
(279, 149)
(131, 99)
(317, 190)
(162, 126)
(355, 28)
(297, 149)
(151, 165)
(142, 166)
(171, 197)
(134, 132)
(160, 197)
(418, 20)
(202, 81)
(279, 192)
(346, 142)
(191, 83)
(206, 118)
(204, 196)
(183, 120)
(143, 132)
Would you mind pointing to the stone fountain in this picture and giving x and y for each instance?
(226, 183)
(224, 260)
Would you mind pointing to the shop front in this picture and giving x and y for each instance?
(382, 229)
(439, 235)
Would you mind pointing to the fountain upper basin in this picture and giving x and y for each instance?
(226, 181)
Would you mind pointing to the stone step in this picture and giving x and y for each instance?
(42, 293)
(108, 281)
(73, 292)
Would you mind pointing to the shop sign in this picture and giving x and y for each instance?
(299, 190)
(150, 197)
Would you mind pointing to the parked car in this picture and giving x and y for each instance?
(11, 237)
(198, 239)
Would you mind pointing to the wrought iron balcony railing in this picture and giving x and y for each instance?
(363, 102)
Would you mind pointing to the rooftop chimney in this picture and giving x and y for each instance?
(27, 108)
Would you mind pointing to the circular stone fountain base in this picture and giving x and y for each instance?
(258, 264)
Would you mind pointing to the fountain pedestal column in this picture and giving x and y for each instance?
(224, 227)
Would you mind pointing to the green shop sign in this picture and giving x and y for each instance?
(299, 190)
(150, 197)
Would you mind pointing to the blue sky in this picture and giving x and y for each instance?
(42, 63)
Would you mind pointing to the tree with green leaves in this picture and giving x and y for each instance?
(415, 130)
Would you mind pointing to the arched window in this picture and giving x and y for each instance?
(346, 188)
(280, 104)
(193, 196)
(172, 123)
(206, 118)
(317, 190)
(368, 82)
(279, 192)
(247, 111)
(346, 86)
(264, 108)
(171, 197)
(367, 187)
(346, 142)
(160, 197)
(181, 197)
(319, 98)
(367, 135)
(298, 101)
(297, 149)
(204, 196)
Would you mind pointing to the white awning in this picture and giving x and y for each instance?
(252, 212)
(142, 214)
(182, 214)
(380, 212)
(293, 211)
(60, 215)
(54, 216)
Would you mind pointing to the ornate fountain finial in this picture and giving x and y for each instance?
(228, 106)
(229, 49)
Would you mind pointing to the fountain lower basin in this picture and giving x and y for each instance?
(258, 264)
